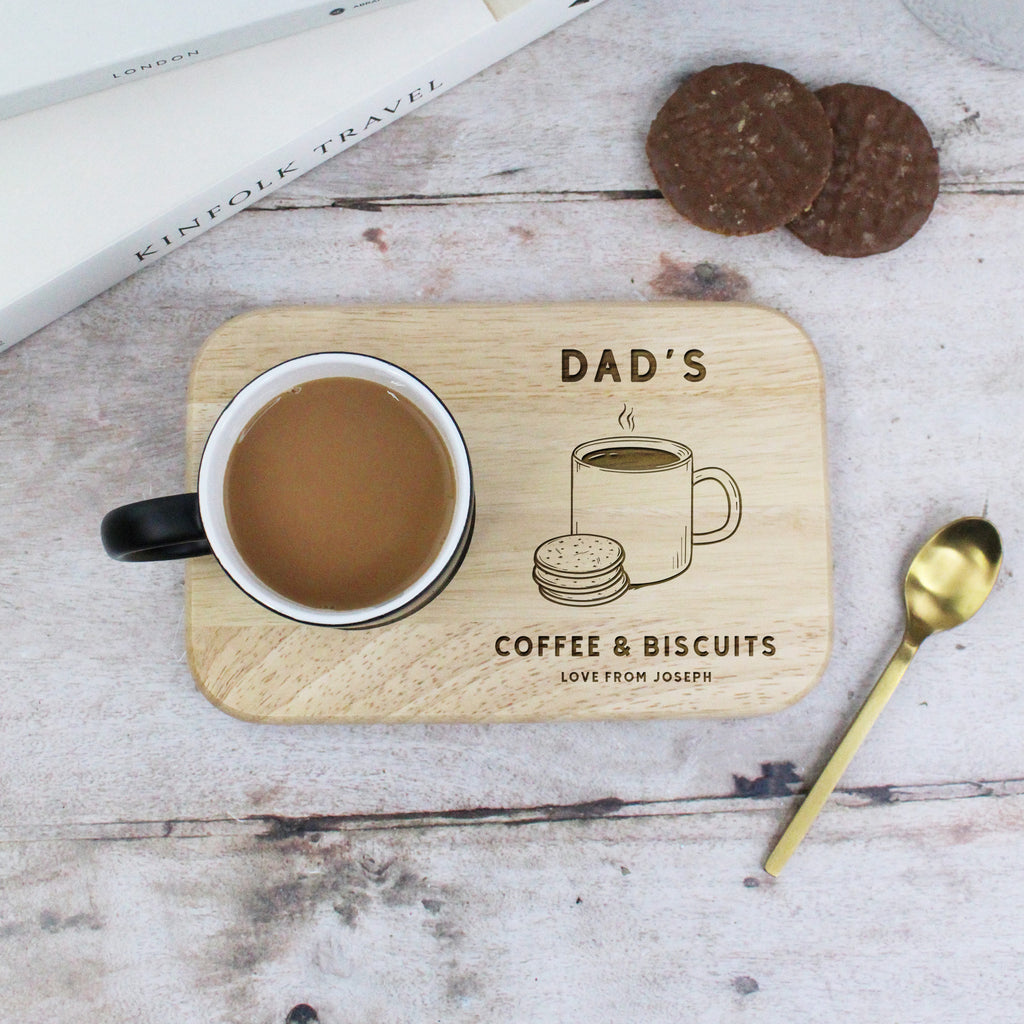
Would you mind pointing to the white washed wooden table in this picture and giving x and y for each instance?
(162, 861)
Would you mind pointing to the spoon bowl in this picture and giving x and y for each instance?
(951, 576)
(947, 582)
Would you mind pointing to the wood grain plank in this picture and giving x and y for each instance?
(913, 908)
(569, 114)
(101, 720)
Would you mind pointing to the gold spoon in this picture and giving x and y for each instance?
(947, 582)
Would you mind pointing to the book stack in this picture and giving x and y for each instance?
(109, 163)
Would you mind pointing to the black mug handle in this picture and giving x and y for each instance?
(155, 530)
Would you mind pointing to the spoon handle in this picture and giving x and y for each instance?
(830, 775)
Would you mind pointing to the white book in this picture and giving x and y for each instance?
(99, 187)
(60, 49)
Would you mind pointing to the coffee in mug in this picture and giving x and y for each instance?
(334, 489)
(339, 493)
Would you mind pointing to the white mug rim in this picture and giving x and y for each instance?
(253, 397)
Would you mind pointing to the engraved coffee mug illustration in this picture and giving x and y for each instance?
(639, 491)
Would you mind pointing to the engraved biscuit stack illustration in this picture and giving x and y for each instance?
(580, 569)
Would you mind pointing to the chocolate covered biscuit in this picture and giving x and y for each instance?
(740, 148)
(884, 177)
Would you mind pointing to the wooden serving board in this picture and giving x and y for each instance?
(745, 629)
